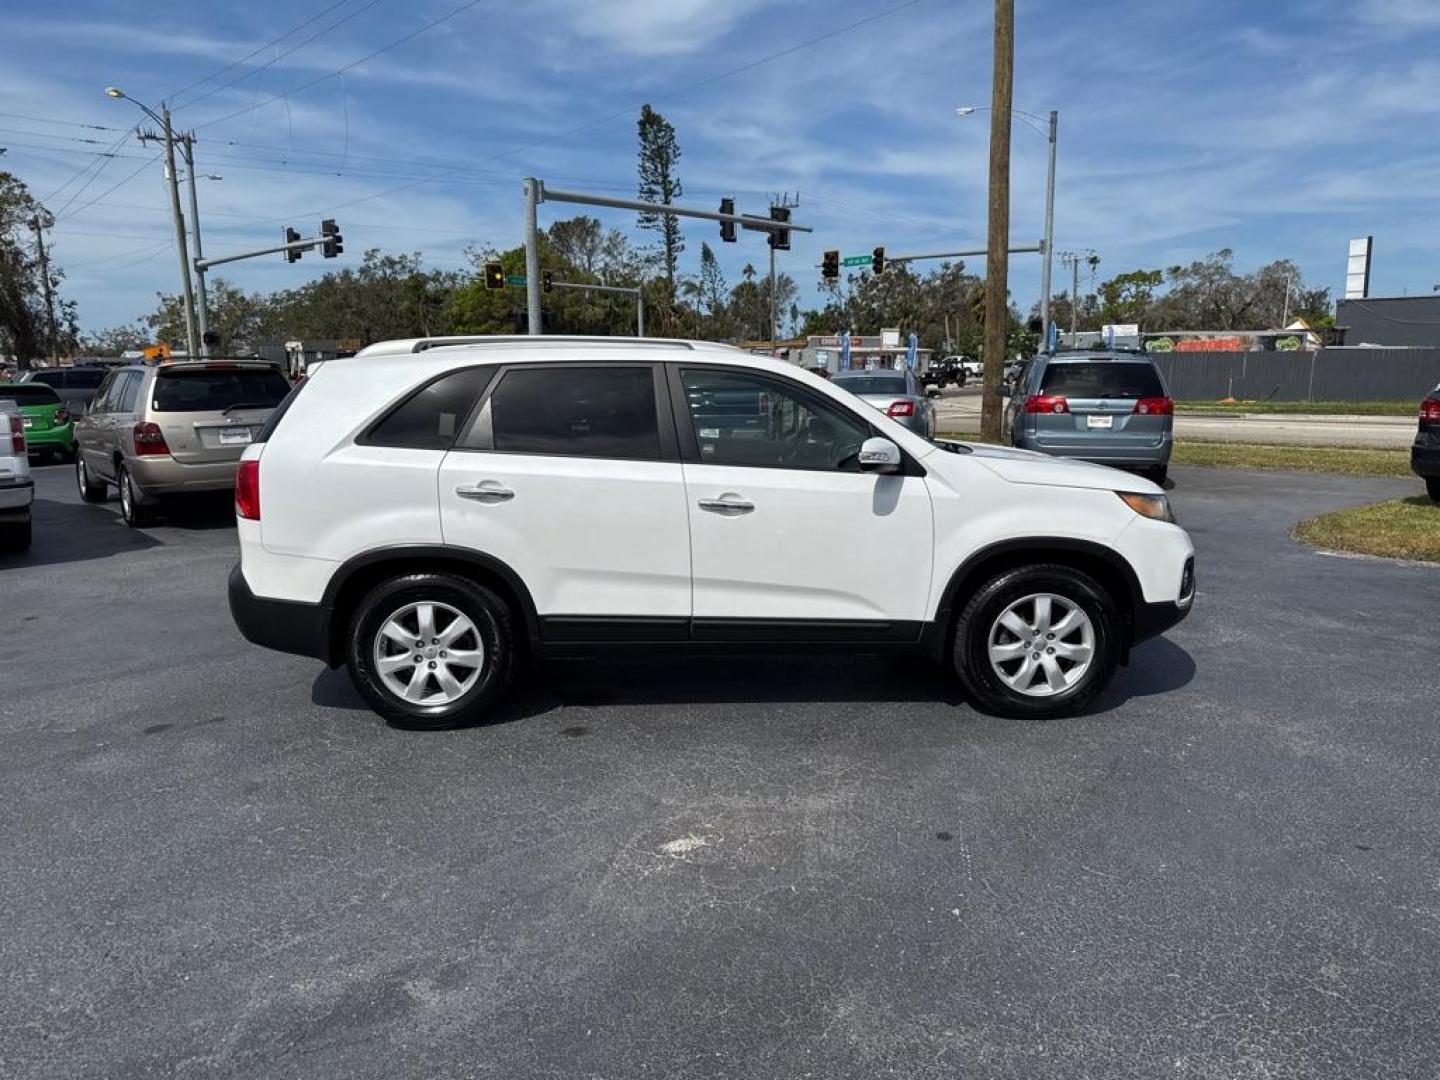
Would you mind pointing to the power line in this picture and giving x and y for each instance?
(354, 63)
(280, 56)
(55, 120)
(117, 185)
(256, 52)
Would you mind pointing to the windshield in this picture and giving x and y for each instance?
(30, 394)
(872, 384)
(217, 389)
(1104, 379)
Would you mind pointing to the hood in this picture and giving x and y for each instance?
(1029, 467)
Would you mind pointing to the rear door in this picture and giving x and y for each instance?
(569, 474)
(211, 412)
(1102, 398)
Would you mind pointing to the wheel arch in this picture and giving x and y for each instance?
(359, 575)
(1106, 565)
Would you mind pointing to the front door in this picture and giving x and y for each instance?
(569, 476)
(787, 535)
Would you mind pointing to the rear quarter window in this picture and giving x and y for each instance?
(218, 389)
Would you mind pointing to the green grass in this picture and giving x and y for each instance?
(1409, 408)
(1398, 529)
(1350, 461)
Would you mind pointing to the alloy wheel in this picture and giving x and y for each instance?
(1042, 645)
(428, 653)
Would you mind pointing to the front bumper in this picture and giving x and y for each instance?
(1152, 620)
(282, 625)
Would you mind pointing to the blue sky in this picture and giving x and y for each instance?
(1278, 129)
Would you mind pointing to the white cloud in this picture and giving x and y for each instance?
(652, 27)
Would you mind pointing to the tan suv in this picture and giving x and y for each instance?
(172, 429)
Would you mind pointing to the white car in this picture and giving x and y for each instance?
(434, 512)
(17, 489)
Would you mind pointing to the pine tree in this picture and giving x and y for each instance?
(658, 155)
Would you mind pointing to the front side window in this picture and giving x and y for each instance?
(428, 419)
(741, 419)
(580, 412)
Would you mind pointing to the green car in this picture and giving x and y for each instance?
(49, 427)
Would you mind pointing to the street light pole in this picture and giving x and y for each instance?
(1047, 264)
(202, 310)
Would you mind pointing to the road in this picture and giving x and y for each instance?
(958, 410)
(217, 863)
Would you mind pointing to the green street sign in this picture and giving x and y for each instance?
(856, 260)
(515, 279)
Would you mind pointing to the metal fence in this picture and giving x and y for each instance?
(1335, 374)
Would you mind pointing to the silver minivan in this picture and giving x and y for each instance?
(173, 428)
(1112, 408)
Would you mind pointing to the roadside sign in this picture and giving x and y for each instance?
(515, 279)
(856, 260)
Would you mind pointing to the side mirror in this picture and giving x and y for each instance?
(1003, 390)
(879, 456)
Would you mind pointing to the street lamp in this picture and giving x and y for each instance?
(171, 182)
(1047, 264)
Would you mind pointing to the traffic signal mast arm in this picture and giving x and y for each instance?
(292, 246)
(745, 221)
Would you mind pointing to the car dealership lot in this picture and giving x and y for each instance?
(218, 863)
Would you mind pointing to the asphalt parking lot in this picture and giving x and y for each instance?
(217, 863)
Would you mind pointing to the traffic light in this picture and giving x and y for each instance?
(333, 244)
(292, 254)
(877, 261)
(494, 276)
(727, 228)
(830, 265)
(547, 280)
(780, 239)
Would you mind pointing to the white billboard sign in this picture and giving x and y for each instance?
(1357, 268)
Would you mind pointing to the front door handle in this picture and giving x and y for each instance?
(729, 505)
(487, 491)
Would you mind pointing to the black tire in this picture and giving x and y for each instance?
(91, 490)
(15, 536)
(493, 626)
(134, 512)
(1159, 474)
(68, 455)
(971, 658)
(1432, 488)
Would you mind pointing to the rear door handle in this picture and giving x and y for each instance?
(486, 491)
(729, 505)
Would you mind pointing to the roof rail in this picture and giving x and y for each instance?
(424, 344)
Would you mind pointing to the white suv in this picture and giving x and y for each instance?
(434, 512)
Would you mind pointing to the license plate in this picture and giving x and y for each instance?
(1093, 422)
(235, 436)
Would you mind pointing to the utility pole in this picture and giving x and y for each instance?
(997, 258)
(45, 280)
(172, 184)
(187, 142)
(532, 257)
(1048, 263)
(1074, 296)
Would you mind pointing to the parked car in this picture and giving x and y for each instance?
(171, 429)
(974, 369)
(49, 430)
(1110, 408)
(17, 489)
(898, 394)
(1425, 453)
(941, 373)
(75, 385)
(432, 512)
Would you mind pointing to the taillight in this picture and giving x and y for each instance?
(247, 490)
(1155, 406)
(1046, 403)
(149, 440)
(901, 408)
(1430, 410)
(62, 416)
(17, 434)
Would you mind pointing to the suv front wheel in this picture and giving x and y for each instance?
(1037, 642)
(431, 651)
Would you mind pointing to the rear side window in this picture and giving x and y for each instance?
(580, 412)
(125, 394)
(1102, 380)
(218, 389)
(431, 417)
(30, 393)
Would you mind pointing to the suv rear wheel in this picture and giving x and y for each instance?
(431, 651)
(1036, 642)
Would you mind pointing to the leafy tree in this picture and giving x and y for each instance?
(658, 156)
(25, 324)
(115, 340)
(1126, 298)
(236, 316)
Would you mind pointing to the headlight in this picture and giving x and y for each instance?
(1150, 506)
